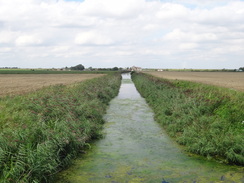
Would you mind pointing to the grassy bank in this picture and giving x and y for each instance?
(207, 120)
(41, 132)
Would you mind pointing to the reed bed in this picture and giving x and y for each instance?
(207, 120)
(41, 132)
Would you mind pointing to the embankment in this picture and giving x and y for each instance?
(42, 131)
(207, 120)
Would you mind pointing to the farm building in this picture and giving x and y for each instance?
(134, 68)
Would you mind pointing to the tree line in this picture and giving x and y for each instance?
(80, 67)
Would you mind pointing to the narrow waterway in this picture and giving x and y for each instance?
(135, 149)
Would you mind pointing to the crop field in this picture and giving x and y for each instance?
(11, 84)
(233, 80)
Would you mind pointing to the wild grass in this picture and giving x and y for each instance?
(41, 132)
(207, 120)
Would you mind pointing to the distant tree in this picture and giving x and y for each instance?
(241, 68)
(79, 67)
(115, 69)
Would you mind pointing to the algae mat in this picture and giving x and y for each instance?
(135, 149)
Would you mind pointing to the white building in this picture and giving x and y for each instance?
(134, 68)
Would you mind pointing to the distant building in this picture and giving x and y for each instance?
(134, 68)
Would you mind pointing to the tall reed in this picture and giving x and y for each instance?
(41, 132)
(207, 120)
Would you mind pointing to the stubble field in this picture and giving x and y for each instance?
(233, 80)
(12, 84)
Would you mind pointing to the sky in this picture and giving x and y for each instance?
(197, 34)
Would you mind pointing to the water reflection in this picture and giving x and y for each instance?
(128, 89)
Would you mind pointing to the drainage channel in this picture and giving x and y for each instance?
(136, 149)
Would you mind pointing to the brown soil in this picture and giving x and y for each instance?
(233, 80)
(12, 84)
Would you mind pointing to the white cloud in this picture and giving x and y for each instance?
(186, 46)
(107, 33)
(180, 36)
(6, 37)
(172, 11)
(28, 40)
(112, 8)
(5, 49)
(92, 38)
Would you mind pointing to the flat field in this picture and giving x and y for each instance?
(233, 80)
(12, 84)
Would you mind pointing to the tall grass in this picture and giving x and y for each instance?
(207, 120)
(41, 132)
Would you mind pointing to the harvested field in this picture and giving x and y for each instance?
(233, 80)
(12, 84)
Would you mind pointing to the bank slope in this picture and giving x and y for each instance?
(207, 120)
(41, 132)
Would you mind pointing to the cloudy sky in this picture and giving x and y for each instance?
(108, 33)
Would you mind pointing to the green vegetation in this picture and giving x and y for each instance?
(207, 120)
(78, 67)
(42, 131)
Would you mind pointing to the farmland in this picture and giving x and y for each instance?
(23, 83)
(233, 80)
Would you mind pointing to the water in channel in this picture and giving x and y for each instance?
(136, 149)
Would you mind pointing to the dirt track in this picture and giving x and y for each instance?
(233, 80)
(11, 84)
